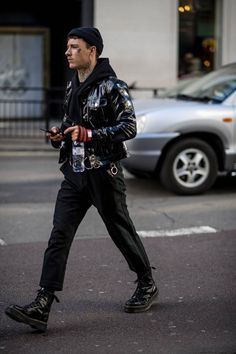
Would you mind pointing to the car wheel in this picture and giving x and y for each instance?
(190, 167)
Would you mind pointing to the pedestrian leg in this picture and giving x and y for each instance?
(71, 207)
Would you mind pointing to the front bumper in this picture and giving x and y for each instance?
(145, 150)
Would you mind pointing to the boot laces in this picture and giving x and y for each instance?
(141, 289)
(41, 299)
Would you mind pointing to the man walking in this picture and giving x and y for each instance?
(99, 117)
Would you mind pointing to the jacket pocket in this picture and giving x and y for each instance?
(96, 112)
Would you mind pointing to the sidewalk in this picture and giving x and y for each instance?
(24, 144)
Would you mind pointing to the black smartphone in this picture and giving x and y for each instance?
(45, 130)
(48, 131)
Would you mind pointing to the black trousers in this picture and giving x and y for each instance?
(79, 191)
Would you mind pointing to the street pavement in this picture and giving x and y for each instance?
(195, 311)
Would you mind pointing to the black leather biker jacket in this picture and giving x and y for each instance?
(104, 106)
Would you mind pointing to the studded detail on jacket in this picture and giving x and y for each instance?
(103, 104)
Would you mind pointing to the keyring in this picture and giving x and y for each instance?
(94, 163)
(113, 169)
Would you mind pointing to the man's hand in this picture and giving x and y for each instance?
(79, 133)
(55, 134)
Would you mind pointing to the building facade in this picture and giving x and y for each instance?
(151, 43)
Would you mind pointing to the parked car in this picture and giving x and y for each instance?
(189, 139)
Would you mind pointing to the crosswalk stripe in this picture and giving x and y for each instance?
(177, 232)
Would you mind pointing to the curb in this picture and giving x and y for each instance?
(25, 145)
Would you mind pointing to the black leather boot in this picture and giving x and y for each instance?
(144, 295)
(36, 313)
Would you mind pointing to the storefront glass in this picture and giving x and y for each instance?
(197, 37)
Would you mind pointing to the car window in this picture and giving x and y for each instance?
(217, 85)
(178, 88)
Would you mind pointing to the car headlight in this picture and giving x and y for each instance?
(141, 120)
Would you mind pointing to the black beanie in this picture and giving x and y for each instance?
(91, 35)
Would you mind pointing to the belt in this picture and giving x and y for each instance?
(93, 161)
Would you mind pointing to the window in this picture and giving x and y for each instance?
(197, 37)
(23, 69)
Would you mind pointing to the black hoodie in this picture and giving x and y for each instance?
(101, 71)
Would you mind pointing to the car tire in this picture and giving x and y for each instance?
(189, 167)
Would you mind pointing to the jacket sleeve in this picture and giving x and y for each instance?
(66, 121)
(124, 126)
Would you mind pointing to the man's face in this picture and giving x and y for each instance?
(78, 54)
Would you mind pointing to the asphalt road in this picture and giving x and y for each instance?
(195, 312)
(29, 184)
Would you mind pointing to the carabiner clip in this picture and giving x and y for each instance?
(113, 169)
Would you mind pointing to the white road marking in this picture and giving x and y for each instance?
(159, 233)
(2, 243)
(178, 232)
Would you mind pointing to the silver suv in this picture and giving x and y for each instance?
(187, 140)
